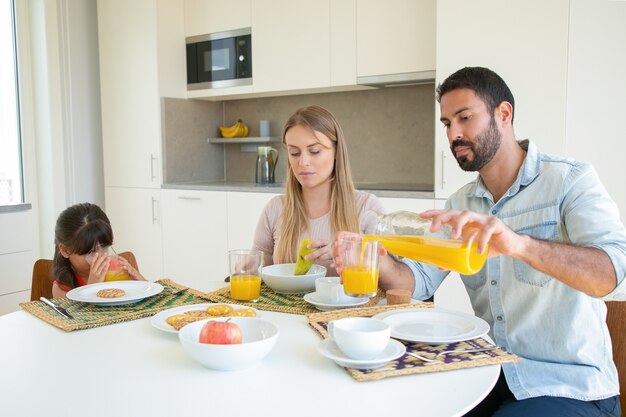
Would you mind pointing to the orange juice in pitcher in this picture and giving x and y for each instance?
(407, 235)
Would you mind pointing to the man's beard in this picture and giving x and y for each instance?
(484, 148)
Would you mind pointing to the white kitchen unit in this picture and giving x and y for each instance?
(194, 237)
(531, 56)
(135, 215)
(290, 45)
(131, 37)
(203, 17)
(16, 259)
(244, 211)
(416, 205)
(395, 37)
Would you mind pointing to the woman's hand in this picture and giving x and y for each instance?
(323, 252)
(99, 267)
(134, 274)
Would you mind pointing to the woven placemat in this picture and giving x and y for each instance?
(406, 364)
(87, 316)
(273, 301)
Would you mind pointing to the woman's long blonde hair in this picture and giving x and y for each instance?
(343, 212)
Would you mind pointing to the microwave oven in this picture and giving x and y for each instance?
(219, 60)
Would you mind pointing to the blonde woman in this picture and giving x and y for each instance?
(320, 199)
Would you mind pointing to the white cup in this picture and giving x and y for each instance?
(360, 338)
(264, 128)
(329, 290)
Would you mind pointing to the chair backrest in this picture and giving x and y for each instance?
(616, 322)
(43, 278)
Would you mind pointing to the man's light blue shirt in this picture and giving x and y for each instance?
(560, 332)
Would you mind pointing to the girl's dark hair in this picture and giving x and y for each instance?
(80, 228)
(485, 83)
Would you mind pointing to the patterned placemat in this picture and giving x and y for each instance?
(87, 316)
(273, 301)
(406, 364)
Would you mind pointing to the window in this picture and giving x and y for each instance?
(11, 184)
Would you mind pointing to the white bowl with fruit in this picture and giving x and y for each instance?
(281, 278)
(229, 343)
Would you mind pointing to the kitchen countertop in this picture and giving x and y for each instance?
(379, 190)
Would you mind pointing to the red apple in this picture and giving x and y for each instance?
(220, 333)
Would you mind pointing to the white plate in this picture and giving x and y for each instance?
(159, 319)
(311, 298)
(433, 325)
(135, 292)
(329, 348)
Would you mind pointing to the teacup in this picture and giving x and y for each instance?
(329, 290)
(360, 338)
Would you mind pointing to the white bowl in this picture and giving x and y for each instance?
(281, 279)
(259, 338)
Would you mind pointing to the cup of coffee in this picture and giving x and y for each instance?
(360, 338)
(329, 290)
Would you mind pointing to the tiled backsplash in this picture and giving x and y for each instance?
(389, 132)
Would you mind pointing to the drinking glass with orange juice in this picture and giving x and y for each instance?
(116, 270)
(360, 267)
(245, 274)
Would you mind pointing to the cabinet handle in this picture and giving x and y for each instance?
(152, 159)
(443, 169)
(154, 211)
(184, 197)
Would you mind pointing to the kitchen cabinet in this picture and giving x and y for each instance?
(194, 237)
(209, 16)
(135, 215)
(532, 62)
(130, 37)
(244, 211)
(290, 45)
(16, 258)
(395, 36)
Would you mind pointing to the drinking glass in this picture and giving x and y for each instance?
(116, 271)
(360, 267)
(245, 274)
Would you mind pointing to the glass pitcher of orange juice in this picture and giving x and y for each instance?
(406, 234)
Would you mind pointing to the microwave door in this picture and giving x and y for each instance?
(217, 60)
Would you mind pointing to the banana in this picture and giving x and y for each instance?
(237, 130)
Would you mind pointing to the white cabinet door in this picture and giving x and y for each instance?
(395, 36)
(194, 237)
(135, 216)
(131, 127)
(244, 211)
(209, 16)
(342, 42)
(290, 44)
(531, 58)
(416, 205)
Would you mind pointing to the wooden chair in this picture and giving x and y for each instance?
(616, 322)
(42, 276)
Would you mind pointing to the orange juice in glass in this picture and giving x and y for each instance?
(245, 274)
(116, 271)
(360, 267)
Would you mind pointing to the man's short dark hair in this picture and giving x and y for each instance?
(486, 84)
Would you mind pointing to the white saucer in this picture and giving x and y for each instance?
(329, 348)
(348, 301)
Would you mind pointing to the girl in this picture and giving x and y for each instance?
(82, 236)
(320, 198)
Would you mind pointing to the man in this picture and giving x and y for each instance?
(557, 251)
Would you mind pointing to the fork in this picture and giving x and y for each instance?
(445, 352)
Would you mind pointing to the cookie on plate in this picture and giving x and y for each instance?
(243, 312)
(111, 293)
(219, 310)
(178, 321)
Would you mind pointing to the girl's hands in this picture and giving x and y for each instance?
(134, 274)
(99, 267)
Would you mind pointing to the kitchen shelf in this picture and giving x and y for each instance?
(248, 144)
